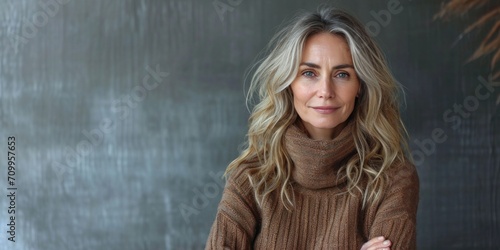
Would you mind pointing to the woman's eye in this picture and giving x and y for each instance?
(308, 73)
(342, 75)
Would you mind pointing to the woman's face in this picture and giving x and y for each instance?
(325, 89)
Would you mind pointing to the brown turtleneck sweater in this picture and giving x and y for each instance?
(324, 216)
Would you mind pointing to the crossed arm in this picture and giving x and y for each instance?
(391, 224)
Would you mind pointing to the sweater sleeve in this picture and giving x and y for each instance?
(237, 216)
(395, 217)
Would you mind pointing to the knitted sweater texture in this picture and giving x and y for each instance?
(324, 216)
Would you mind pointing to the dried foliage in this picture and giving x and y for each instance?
(490, 17)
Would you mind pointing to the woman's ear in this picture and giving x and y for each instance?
(360, 90)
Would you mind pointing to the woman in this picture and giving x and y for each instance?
(325, 165)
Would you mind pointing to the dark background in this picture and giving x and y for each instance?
(106, 160)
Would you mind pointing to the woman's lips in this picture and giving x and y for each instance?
(325, 109)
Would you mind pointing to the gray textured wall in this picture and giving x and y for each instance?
(125, 112)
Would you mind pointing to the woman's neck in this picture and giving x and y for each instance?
(320, 133)
(316, 162)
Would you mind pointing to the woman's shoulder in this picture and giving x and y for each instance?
(240, 175)
(239, 190)
(403, 175)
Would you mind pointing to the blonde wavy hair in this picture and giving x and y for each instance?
(379, 135)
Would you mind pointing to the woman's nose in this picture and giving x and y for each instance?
(325, 89)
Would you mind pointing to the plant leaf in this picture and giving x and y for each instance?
(458, 7)
(487, 46)
(495, 58)
(483, 19)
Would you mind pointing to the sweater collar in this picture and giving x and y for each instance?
(316, 162)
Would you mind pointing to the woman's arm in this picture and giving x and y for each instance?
(395, 217)
(237, 216)
(377, 243)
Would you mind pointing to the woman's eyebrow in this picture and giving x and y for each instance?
(342, 66)
(316, 66)
(312, 65)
